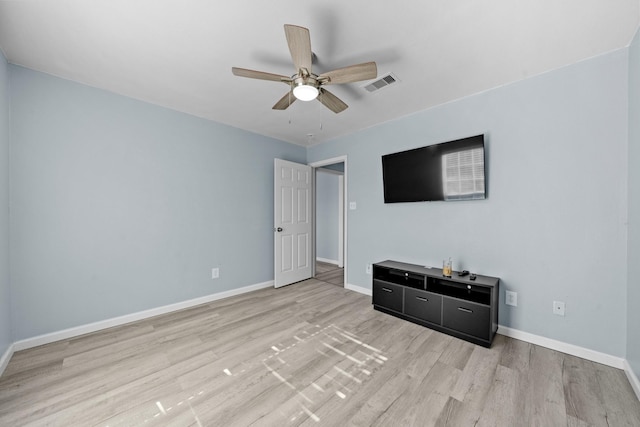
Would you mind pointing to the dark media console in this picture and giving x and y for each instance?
(456, 305)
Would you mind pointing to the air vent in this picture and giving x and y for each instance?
(384, 81)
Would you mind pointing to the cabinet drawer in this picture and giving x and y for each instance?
(387, 295)
(467, 317)
(423, 305)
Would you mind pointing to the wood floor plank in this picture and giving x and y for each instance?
(306, 354)
(330, 273)
(106, 338)
(456, 413)
(617, 396)
(457, 353)
(575, 422)
(516, 355)
(582, 393)
(380, 400)
(70, 391)
(477, 378)
(504, 405)
(544, 389)
(423, 401)
(33, 359)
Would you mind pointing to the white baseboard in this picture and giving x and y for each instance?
(328, 261)
(117, 321)
(574, 350)
(359, 289)
(4, 360)
(633, 379)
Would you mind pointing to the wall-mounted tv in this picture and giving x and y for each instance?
(451, 170)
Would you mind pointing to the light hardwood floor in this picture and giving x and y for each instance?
(330, 273)
(306, 354)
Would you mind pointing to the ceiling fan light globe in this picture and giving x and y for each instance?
(305, 92)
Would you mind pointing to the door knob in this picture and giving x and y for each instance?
(279, 229)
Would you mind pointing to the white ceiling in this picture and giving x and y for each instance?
(179, 53)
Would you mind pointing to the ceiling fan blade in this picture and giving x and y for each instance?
(299, 42)
(331, 101)
(252, 74)
(352, 73)
(284, 102)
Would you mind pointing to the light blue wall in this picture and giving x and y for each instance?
(553, 226)
(633, 323)
(120, 206)
(327, 214)
(6, 337)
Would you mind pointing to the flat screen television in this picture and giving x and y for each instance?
(453, 170)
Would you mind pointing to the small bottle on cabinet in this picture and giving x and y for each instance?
(446, 268)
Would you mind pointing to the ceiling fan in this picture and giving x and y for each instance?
(304, 84)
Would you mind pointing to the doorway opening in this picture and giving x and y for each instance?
(330, 220)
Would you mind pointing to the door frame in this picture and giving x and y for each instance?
(315, 165)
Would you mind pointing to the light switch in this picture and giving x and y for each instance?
(352, 206)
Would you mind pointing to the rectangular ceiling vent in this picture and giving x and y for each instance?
(382, 82)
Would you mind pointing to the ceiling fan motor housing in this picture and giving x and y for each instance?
(305, 88)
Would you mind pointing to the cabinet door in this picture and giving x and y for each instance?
(387, 295)
(423, 305)
(467, 317)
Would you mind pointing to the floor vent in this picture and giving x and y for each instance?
(384, 81)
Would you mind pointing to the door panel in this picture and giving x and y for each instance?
(303, 251)
(287, 206)
(303, 205)
(292, 228)
(287, 253)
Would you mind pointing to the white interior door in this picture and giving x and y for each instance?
(293, 223)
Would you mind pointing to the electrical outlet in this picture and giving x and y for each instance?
(511, 298)
(558, 308)
(368, 269)
(215, 273)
